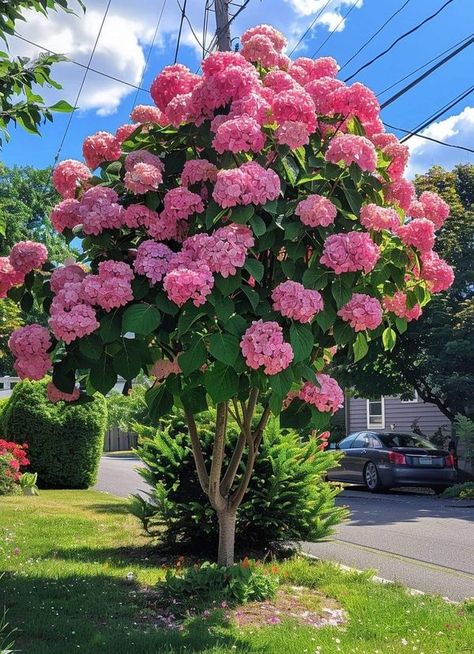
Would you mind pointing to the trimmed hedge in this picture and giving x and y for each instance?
(65, 441)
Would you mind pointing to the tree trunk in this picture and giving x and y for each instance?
(225, 555)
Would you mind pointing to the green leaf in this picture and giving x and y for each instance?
(187, 319)
(141, 319)
(315, 279)
(253, 296)
(194, 357)
(165, 305)
(302, 341)
(242, 215)
(281, 382)
(255, 268)
(340, 292)
(194, 400)
(27, 302)
(91, 347)
(140, 287)
(228, 285)
(110, 327)
(159, 402)
(271, 207)
(401, 324)
(224, 347)
(360, 347)
(61, 106)
(291, 169)
(221, 381)
(343, 333)
(236, 325)
(224, 308)
(258, 225)
(292, 229)
(102, 375)
(296, 416)
(353, 198)
(326, 318)
(128, 361)
(389, 338)
(63, 377)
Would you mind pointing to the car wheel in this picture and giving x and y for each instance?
(439, 490)
(372, 477)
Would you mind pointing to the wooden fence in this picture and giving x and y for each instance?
(116, 440)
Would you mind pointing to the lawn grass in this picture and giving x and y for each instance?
(67, 554)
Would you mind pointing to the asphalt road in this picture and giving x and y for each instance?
(420, 540)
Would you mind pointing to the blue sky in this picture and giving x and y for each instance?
(128, 33)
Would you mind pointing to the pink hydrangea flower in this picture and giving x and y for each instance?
(350, 252)
(362, 312)
(55, 395)
(68, 175)
(143, 113)
(124, 132)
(322, 93)
(143, 178)
(138, 215)
(438, 274)
(416, 210)
(63, 275)
(295, 301)
(294, 105)
(261, 185)
(99, 210)
(65, 215)
(100, 147)
(229, 188)
(305, 70)
(292, 133)
(378, 218)
(277, 39)
(398, 154)
(111, 288)
(253, 105)
(166, 228)
(198, 170)
(163, 368)
(259, 49)
(316, 211)
(76, 322)
(397, 304)
(33, 367)
(278, 81)
(418, 233)
(181, 109)
(435, 208)
(172, 81)
(401, 192)
(9, 277)
(356, 100)
(263, 345)
(242, 134)
(29, 340)
(219, 62)
(142, 156)
(349, 149)
(189, 282)
(26, 256)
(327, 397)
(180, 203)
(153, 260)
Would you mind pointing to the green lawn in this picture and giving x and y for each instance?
(66, 557)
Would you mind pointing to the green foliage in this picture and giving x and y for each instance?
(6, 642)
(28, 481)
(235, 584)
(10, 319)
(286, 499)
(462, 491)
(65, 440)
(8, 486)
(464, 428)
(124, 410)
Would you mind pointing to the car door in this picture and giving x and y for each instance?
(358, 456)
(341, 472)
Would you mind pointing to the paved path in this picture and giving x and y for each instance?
(420, 540)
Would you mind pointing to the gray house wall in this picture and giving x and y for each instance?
(397, 413)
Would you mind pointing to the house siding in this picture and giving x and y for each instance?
(400, 414)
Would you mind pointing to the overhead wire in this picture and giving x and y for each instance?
(178, 41)
(428, 138)
(310, 27)
(191, 28)
(398, 39)
(229, 22)
(353, 6)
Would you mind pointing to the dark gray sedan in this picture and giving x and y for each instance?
(388, 459)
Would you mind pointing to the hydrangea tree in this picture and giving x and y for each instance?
(233, 236)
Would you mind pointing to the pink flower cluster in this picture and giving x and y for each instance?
(242, 134)
(124, 132)
(198, 170)
(362, 312)
(139, 215)
(192, 281)
(316, 211)
(397, 304)
(418, 233)
(293, 133)
(349, 149)
(263, 345)
(180, 203)
(378, 218)
(9, 277)
(99, 210)
(29, 345)
(63, 275)
(401, 192)
(143, 113)
(304, 70)
(144, 172)
(248, 184)
(350, 252)
(431, 206)
(295, 301)
(99, 148)
(327, 397)
(153, 260)
(172, 81)
(68, 176)
(26, 256)
(263, 44)
(69, 320)
(436, 272)
(295, 105)
(55, 395)
(111, 287)
(65, 215)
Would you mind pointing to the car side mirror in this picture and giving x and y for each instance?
(333, 446)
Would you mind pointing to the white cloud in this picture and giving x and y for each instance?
(128, 32)
(457, 130)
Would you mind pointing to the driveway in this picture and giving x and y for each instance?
(420, 540)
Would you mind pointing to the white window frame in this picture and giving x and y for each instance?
(369, 424)
(414, 401)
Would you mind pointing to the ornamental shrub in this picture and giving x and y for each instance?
(65, 441)
(13, 457)
(287, 498)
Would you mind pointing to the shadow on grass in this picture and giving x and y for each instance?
(104, 615)
(144, 556)
(105, 507)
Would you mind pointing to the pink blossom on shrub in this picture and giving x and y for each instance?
(362, 312)
(142, 156)
(295, 301)
(29, 340)
(292, 133)
(327, 397)
(69, 324)
(242, 134)
(180, 203)
(349, 149)
(26, 256)
(305, 70)
(189, 282)
(65, 215)
(144, 113)
(33, 367)
(138, 215)
(438, 274)
(277, 39)
(116, 269)
(219, 62)
(278, 81)
(435, 208)
(350, 252)
(55, 395)
(259, 49)
(397, 304)
(172, 81)
(165, 227)
(111, 288)
(416, 210)
(398, 154)
(263, 345)
(153, 260)
(401, 192)
(378, 218)
(316, 211)
(294, 105)
(9, 277)
(198, 170)
(261, 185)
(253, 105)
(230, 187)
(99, 148)
(418, 233)
(63, 275)
(356, 100)
(143, 178)
(229, 248)
(181, 109)
(163, 368)
(99, 210)
(68, 175)
(322, 93)
(123, 132)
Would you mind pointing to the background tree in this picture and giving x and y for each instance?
(435, 355)
(20, 76)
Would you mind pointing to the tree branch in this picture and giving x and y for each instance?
(197, 452)
(229, 476)
(215, 497)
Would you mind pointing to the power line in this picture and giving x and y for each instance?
(339, 23)
(193, 32)
(400, 38)
(312, 24)
(428, 138)
(364, 45)
(420, 78)
(415, 70)
(229, 22)
(183, 14)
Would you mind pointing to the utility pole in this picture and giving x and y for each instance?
(222, 24)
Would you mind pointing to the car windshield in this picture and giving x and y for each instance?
(405, 440)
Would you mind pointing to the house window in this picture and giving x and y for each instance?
(376, 413)
(412, 399)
